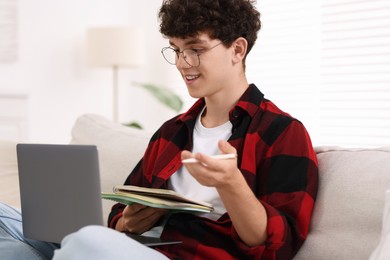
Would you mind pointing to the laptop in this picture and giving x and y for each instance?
(60, 191)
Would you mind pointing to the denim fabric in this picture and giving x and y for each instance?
(13, 245)
(93, 242)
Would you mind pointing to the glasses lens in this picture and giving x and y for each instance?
(169, 55)
(191, 57)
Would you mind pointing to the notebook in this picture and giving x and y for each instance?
(60, 191)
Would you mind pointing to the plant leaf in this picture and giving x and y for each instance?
(165, 96)
(133, 124)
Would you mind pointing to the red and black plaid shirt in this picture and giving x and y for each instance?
(277, 159)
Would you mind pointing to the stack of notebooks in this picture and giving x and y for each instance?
(156, 198)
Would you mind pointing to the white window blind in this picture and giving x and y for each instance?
(328, 64)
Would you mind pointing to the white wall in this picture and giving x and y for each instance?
(327, 63)
(139, 105)
(51, 66)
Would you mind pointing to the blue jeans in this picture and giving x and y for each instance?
(13, 245)
(92, 242)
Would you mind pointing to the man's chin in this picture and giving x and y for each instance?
(195, 95)
(193, 92)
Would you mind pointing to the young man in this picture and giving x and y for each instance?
(263, 198)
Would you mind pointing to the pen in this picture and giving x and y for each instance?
(218, 157)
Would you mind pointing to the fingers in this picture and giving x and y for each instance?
(186, 155)
(148, 222)
(138, 218)
(210, 171)
(206, 160)
(133, 209)
(226, 147)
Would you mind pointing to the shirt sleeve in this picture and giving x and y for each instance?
(287, 187)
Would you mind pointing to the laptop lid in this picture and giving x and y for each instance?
(59, 189)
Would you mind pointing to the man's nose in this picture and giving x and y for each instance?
(181, 62)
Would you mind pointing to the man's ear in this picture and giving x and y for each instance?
(240, 46)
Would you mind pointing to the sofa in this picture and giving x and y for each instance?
(351, 218)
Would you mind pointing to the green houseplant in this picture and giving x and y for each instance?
(162, 95)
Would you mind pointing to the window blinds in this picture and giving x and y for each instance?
(328, 64)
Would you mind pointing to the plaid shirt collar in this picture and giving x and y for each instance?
(249, 103)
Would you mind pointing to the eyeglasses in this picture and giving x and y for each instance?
(191, 56)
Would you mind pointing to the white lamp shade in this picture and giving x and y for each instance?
(114, 46)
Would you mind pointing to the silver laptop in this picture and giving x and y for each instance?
(60, 191)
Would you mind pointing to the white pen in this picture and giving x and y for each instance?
(218, 157)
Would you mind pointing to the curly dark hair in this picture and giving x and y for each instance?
(221, 19)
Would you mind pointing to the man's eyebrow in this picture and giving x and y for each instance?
(195, 41)
(171, 43)
(190, 41)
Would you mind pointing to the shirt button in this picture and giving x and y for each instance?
(235, 113)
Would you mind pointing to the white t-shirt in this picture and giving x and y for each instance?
(205, 141)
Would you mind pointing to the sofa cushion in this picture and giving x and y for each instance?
(382, 251)
(120, 148)
(347, 216)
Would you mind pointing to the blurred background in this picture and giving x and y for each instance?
(325, 62)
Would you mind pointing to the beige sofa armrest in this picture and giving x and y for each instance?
(9, 182)
(347, 218)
